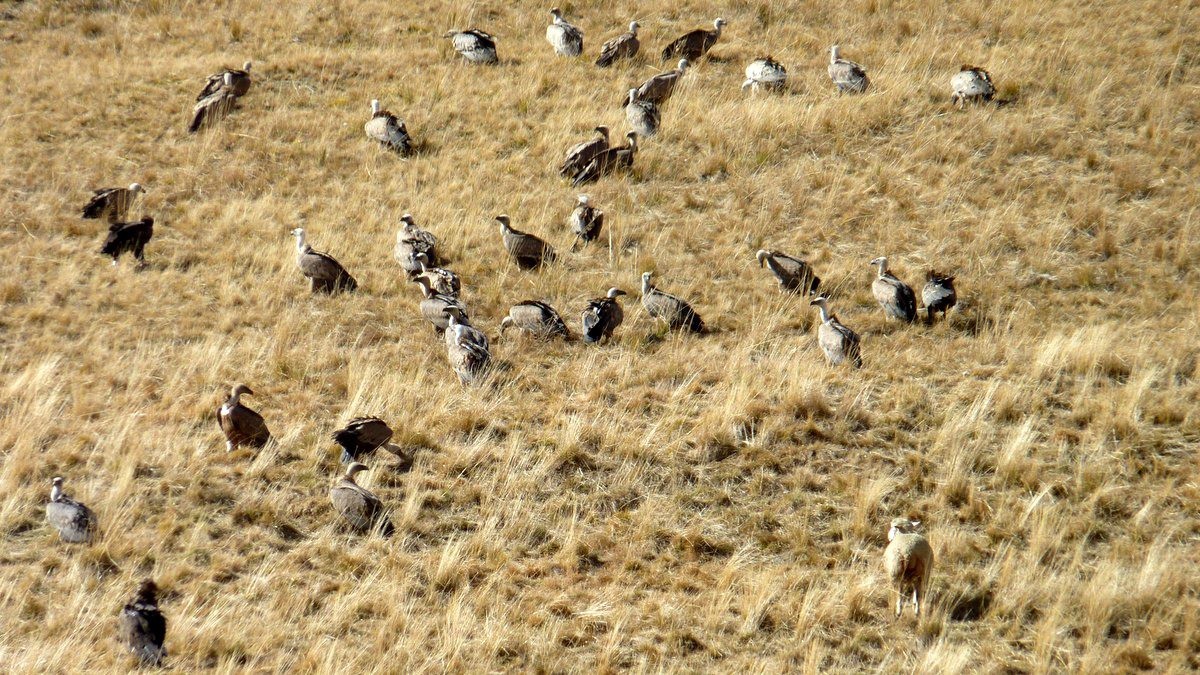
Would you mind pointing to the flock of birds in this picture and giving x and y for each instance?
(908, 558)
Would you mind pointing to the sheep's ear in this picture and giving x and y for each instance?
(915, 523)
(892, 533)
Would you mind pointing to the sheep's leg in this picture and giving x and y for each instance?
(917, 600)
(229, 447)
(899, 601)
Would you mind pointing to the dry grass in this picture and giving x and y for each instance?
(712, 503)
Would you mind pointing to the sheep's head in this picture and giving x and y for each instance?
(903, 526)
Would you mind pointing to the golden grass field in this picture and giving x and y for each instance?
(660, 503)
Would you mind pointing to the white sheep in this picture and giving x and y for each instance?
(908, 561)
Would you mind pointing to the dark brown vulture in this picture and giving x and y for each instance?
(675, 312)
(143, 626)
(581, 153)
(361, 436)
(128, 238)
(325, 274)
(241, 425)
(695, 44)
(527, 250)
(793, 274)
(602, 316)
(624, 46)
(609, 161)
(213, 107)
(239, 82)
(112, 203)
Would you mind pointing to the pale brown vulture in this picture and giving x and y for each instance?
(75, 522)
(412, 241)
(325, 274)
(586, 221)
(850, 77)
(660, 87)
(793, 274)
(474, 45)
(624, 46)
(466, 348)
(434, 305)
(358, 505)
(527, 250)
(837, 341)
(894, 296)
(536, 318)
(566, 39)
(675, 312)
(643, 116)
(388, 130)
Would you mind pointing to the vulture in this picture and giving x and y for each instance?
(674, 311)
(537, 318)
(620, 157)
(766, 74)
(325, 274)
(643, 116)
(128, 238)
(440, 280)
(849, 77)
(603, 316)
(581, 153)
(793, 274)
(972, 84)
(566, 39)
(143, 626)
(475, 45)
(361, 509)
(75, 522)
(529, 251)
(214, 106)
(894, 296)
(241, 425)
(624, 46)
(435, 304)
(837, 341)
(938, 294)
(586, 221)
(466, 348)
(695, 44)
(112, 203)
(411, 241)
(239, 82)
(388, 130)
(660, 87)
(363, 435)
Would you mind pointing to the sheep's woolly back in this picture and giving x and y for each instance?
(908, 558)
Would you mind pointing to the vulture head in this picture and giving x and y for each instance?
(632, 136)
(505, 323)
(762, 256)
(882, 262)
(239, 389)
(136, 188)
(835, 53)
(147, 594)
(556, 13)
(375, 107)
(504, 222)
(614, 292)
(408, 220)
(646, 283)
(633, 27)
(56, 488)
(602, 130)
(246, 66)
(719, 24)
(583, 200)
(683, 64)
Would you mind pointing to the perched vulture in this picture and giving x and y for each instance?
(643, 116)
(695, 44)
(566, 39)
(466, 348)
(128, 238)
(475, 45)
(602, 316)
(75, 522)
(793, 274)
(527, 250)
(766, 74)
(112, 203)
(242, 426)
(837, 341)
(411, 241)
(624, 46)
(388, 130)
(849, 77)
(581, 153)
(143, 627)
(674, 311)
(971, 84)
(358, 506)
(361, 436)
(441, 280)
(938, 294)
(536, 318)
(213, 107)
(586, 222)
(894, 296)
(239, 82)
(660, 87)
(325, 274)
(435, 304)
(620, 157)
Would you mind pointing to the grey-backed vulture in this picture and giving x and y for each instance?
(213, 107)
(240, 424)
(586, 222)
(128, 238)
(434, 305)
(581, 153)
(566, 39)
(694, 44)
(794, 274)
(358, 505)
(609, 161)
(75, 522)
(624, 46)
(325, 274)
(765, 73)
(412, 240)
(363, 435)
(466, 348)
(112, 204)
(938, 294)
(143, 628)
(837, 340)
(602, 316)
(474, 45)
(850, 77)
(536, 318)
(441, 280)
(388, 130)
(660, 87)
(643, 116)
(675, 312)
(971, 84)
(527, 250)
(239, 82)
(894, 296)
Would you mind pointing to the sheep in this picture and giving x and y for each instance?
(908, 561)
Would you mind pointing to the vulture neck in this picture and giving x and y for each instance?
(826, 317)
(300, 244)
(882, 269)
(56, 493)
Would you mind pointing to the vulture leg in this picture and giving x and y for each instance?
(346, 457)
